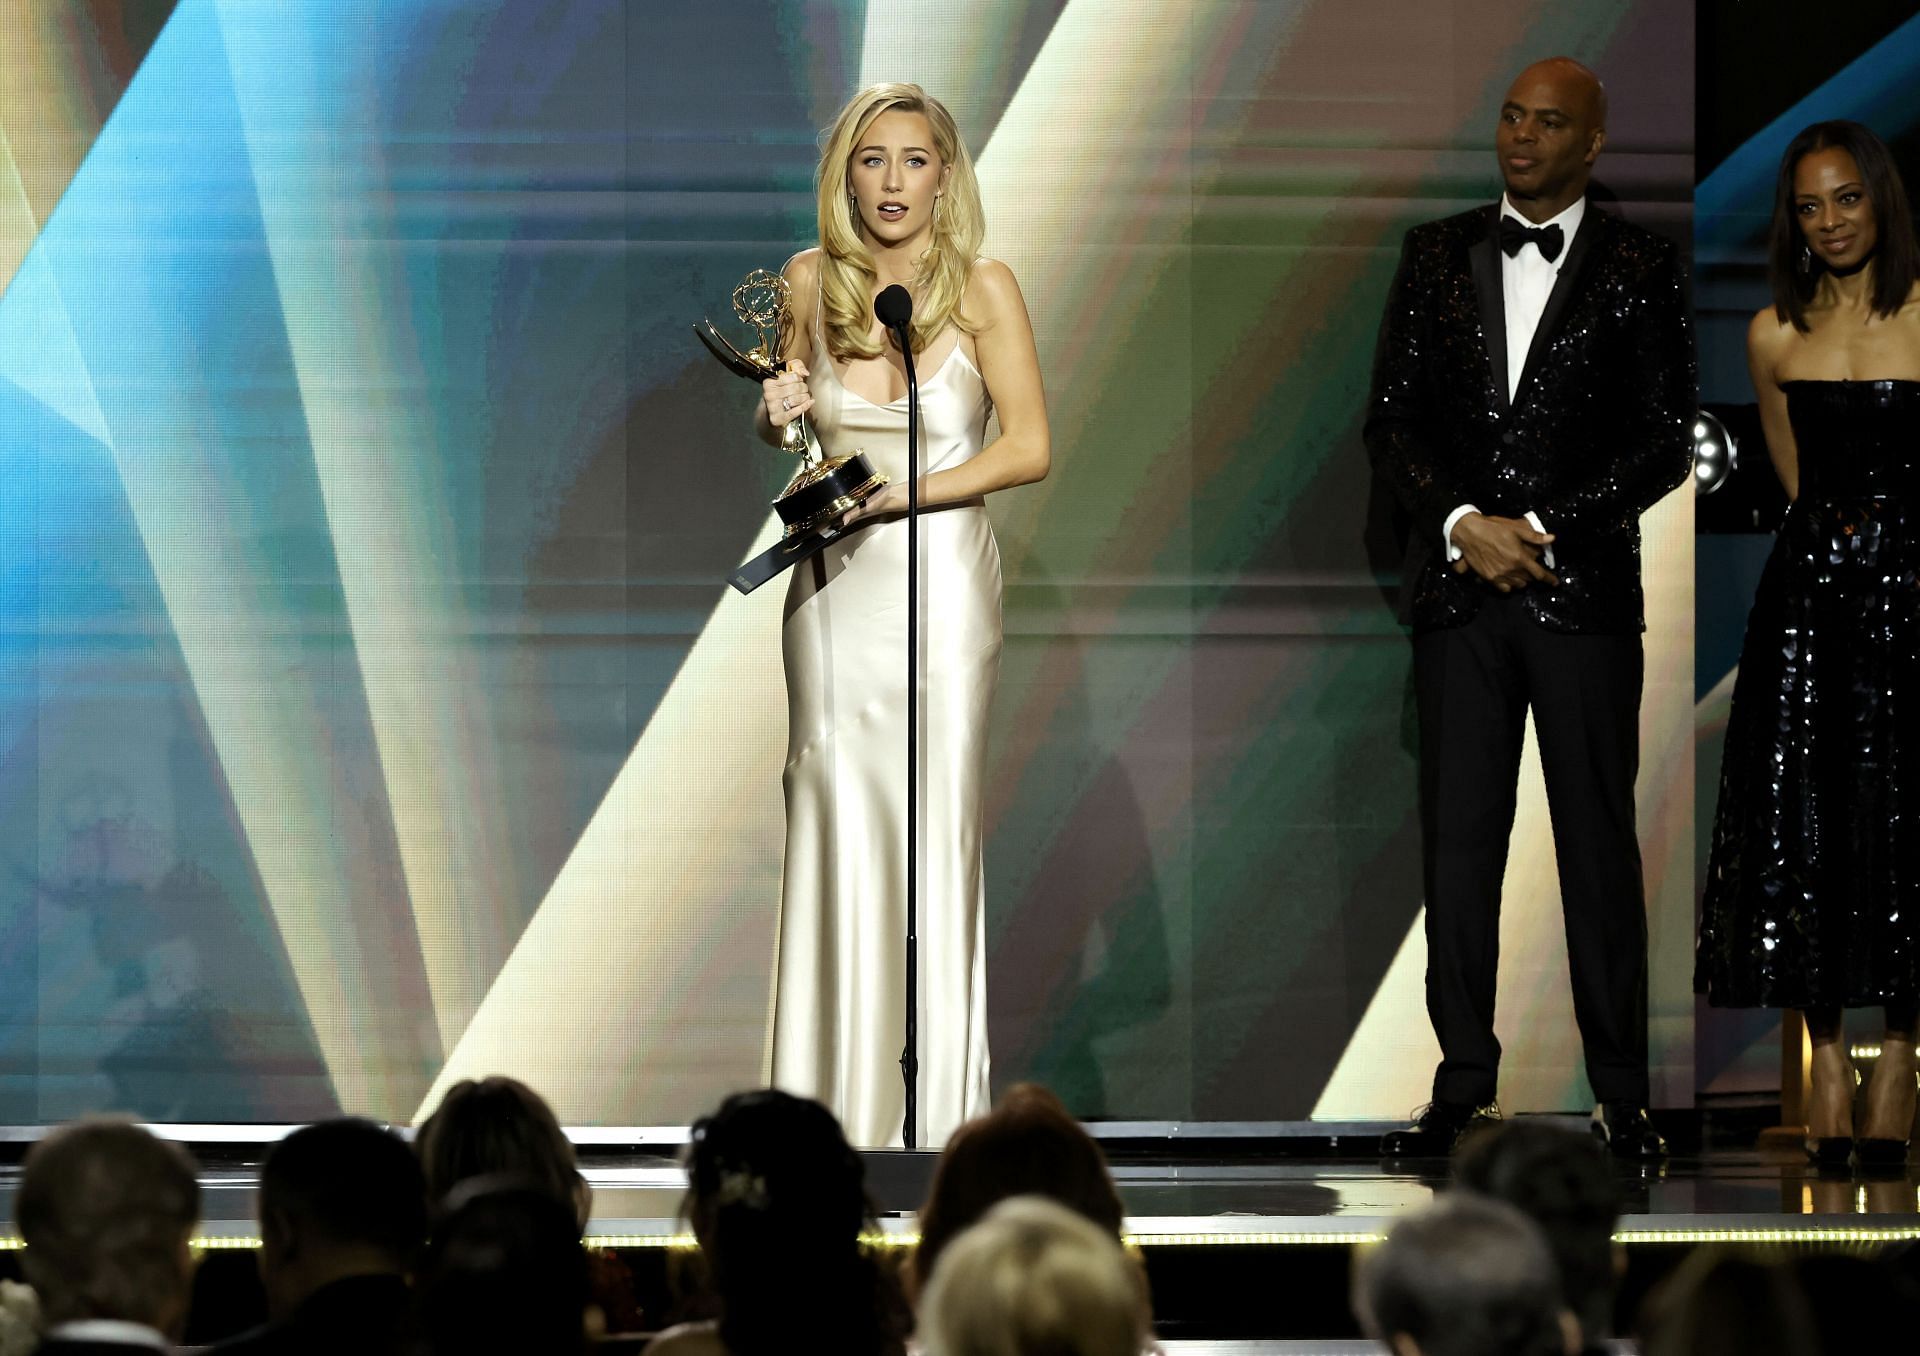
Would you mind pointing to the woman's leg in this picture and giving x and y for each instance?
(1890, 1092)
(1830, 1099)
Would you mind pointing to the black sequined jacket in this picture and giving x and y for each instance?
(1601, 429)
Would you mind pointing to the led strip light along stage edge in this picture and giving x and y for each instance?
(1359, 1232)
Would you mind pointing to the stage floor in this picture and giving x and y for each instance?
(1219, 1189)
(1764, 1196)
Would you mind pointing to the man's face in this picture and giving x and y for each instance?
(1549, 135)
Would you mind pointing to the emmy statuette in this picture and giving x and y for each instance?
(821, 491)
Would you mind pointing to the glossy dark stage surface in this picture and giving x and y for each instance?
(1312, 1179)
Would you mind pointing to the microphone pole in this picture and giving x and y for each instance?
(894, 309)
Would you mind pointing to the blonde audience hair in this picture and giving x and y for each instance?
(847, 272)
(1034, 1277)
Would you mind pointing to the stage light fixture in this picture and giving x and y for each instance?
(1716, 454)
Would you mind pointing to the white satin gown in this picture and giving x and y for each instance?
(840, 986)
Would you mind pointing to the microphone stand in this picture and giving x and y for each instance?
(910, 1057)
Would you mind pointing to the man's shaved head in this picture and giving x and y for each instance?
(1573, 76)
(1553, 123)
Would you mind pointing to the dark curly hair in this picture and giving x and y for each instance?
(778, 1200)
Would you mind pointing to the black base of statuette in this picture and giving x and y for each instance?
(786, 552)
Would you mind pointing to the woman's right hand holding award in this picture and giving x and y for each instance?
(786, 395)
(823, 489)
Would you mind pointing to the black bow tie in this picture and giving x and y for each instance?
(1514, 237)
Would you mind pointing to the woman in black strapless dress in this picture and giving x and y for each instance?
(1813, 889)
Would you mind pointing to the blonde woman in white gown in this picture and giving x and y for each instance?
(898, 203)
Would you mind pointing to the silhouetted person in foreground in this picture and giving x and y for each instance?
(107, 1212)
(505, 1275)
(1561, 1181)
(1466, 1276)
(1035, 1278)
(499, 1126)
(1721, 1303)
(778, 1200)
(343, 1215)
(1028, 1145)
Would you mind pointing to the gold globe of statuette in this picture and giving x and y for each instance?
(765, 301)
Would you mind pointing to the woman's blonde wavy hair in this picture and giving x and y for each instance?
(847, 272)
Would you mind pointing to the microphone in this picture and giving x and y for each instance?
(894, 307)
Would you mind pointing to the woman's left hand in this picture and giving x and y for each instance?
(889, 501)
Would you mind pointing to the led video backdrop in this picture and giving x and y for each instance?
(372, 712)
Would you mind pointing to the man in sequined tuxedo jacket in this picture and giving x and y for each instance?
(1533, 395)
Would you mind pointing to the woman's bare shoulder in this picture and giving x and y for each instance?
(1767, 334)
(802, 273)
(689, 1339)
(992, 291)
(991, 276)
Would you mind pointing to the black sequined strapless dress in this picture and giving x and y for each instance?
(1813, 888)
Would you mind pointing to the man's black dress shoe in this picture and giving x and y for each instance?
(1626, 1131)
(1436, 1129)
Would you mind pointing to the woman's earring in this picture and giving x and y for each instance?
(1806, 260)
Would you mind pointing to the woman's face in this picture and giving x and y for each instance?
(1835, 214)
(895, 176)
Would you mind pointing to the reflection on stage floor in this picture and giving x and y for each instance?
(1192, 1185)
(1191, 1182)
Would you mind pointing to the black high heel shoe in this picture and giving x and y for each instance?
(1882, 1153)
(1832, 1151)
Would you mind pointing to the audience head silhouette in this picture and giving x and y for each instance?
(1719, 1303)
(505, 1272)
(107, 1212)
(1034, 1278)
(339, 1199)
(1855, 1301)
(778, 1201)
(1021, 1253)
(1562, 1181)
(1028, 1145)
(1466, 1276)
(499, 1127)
